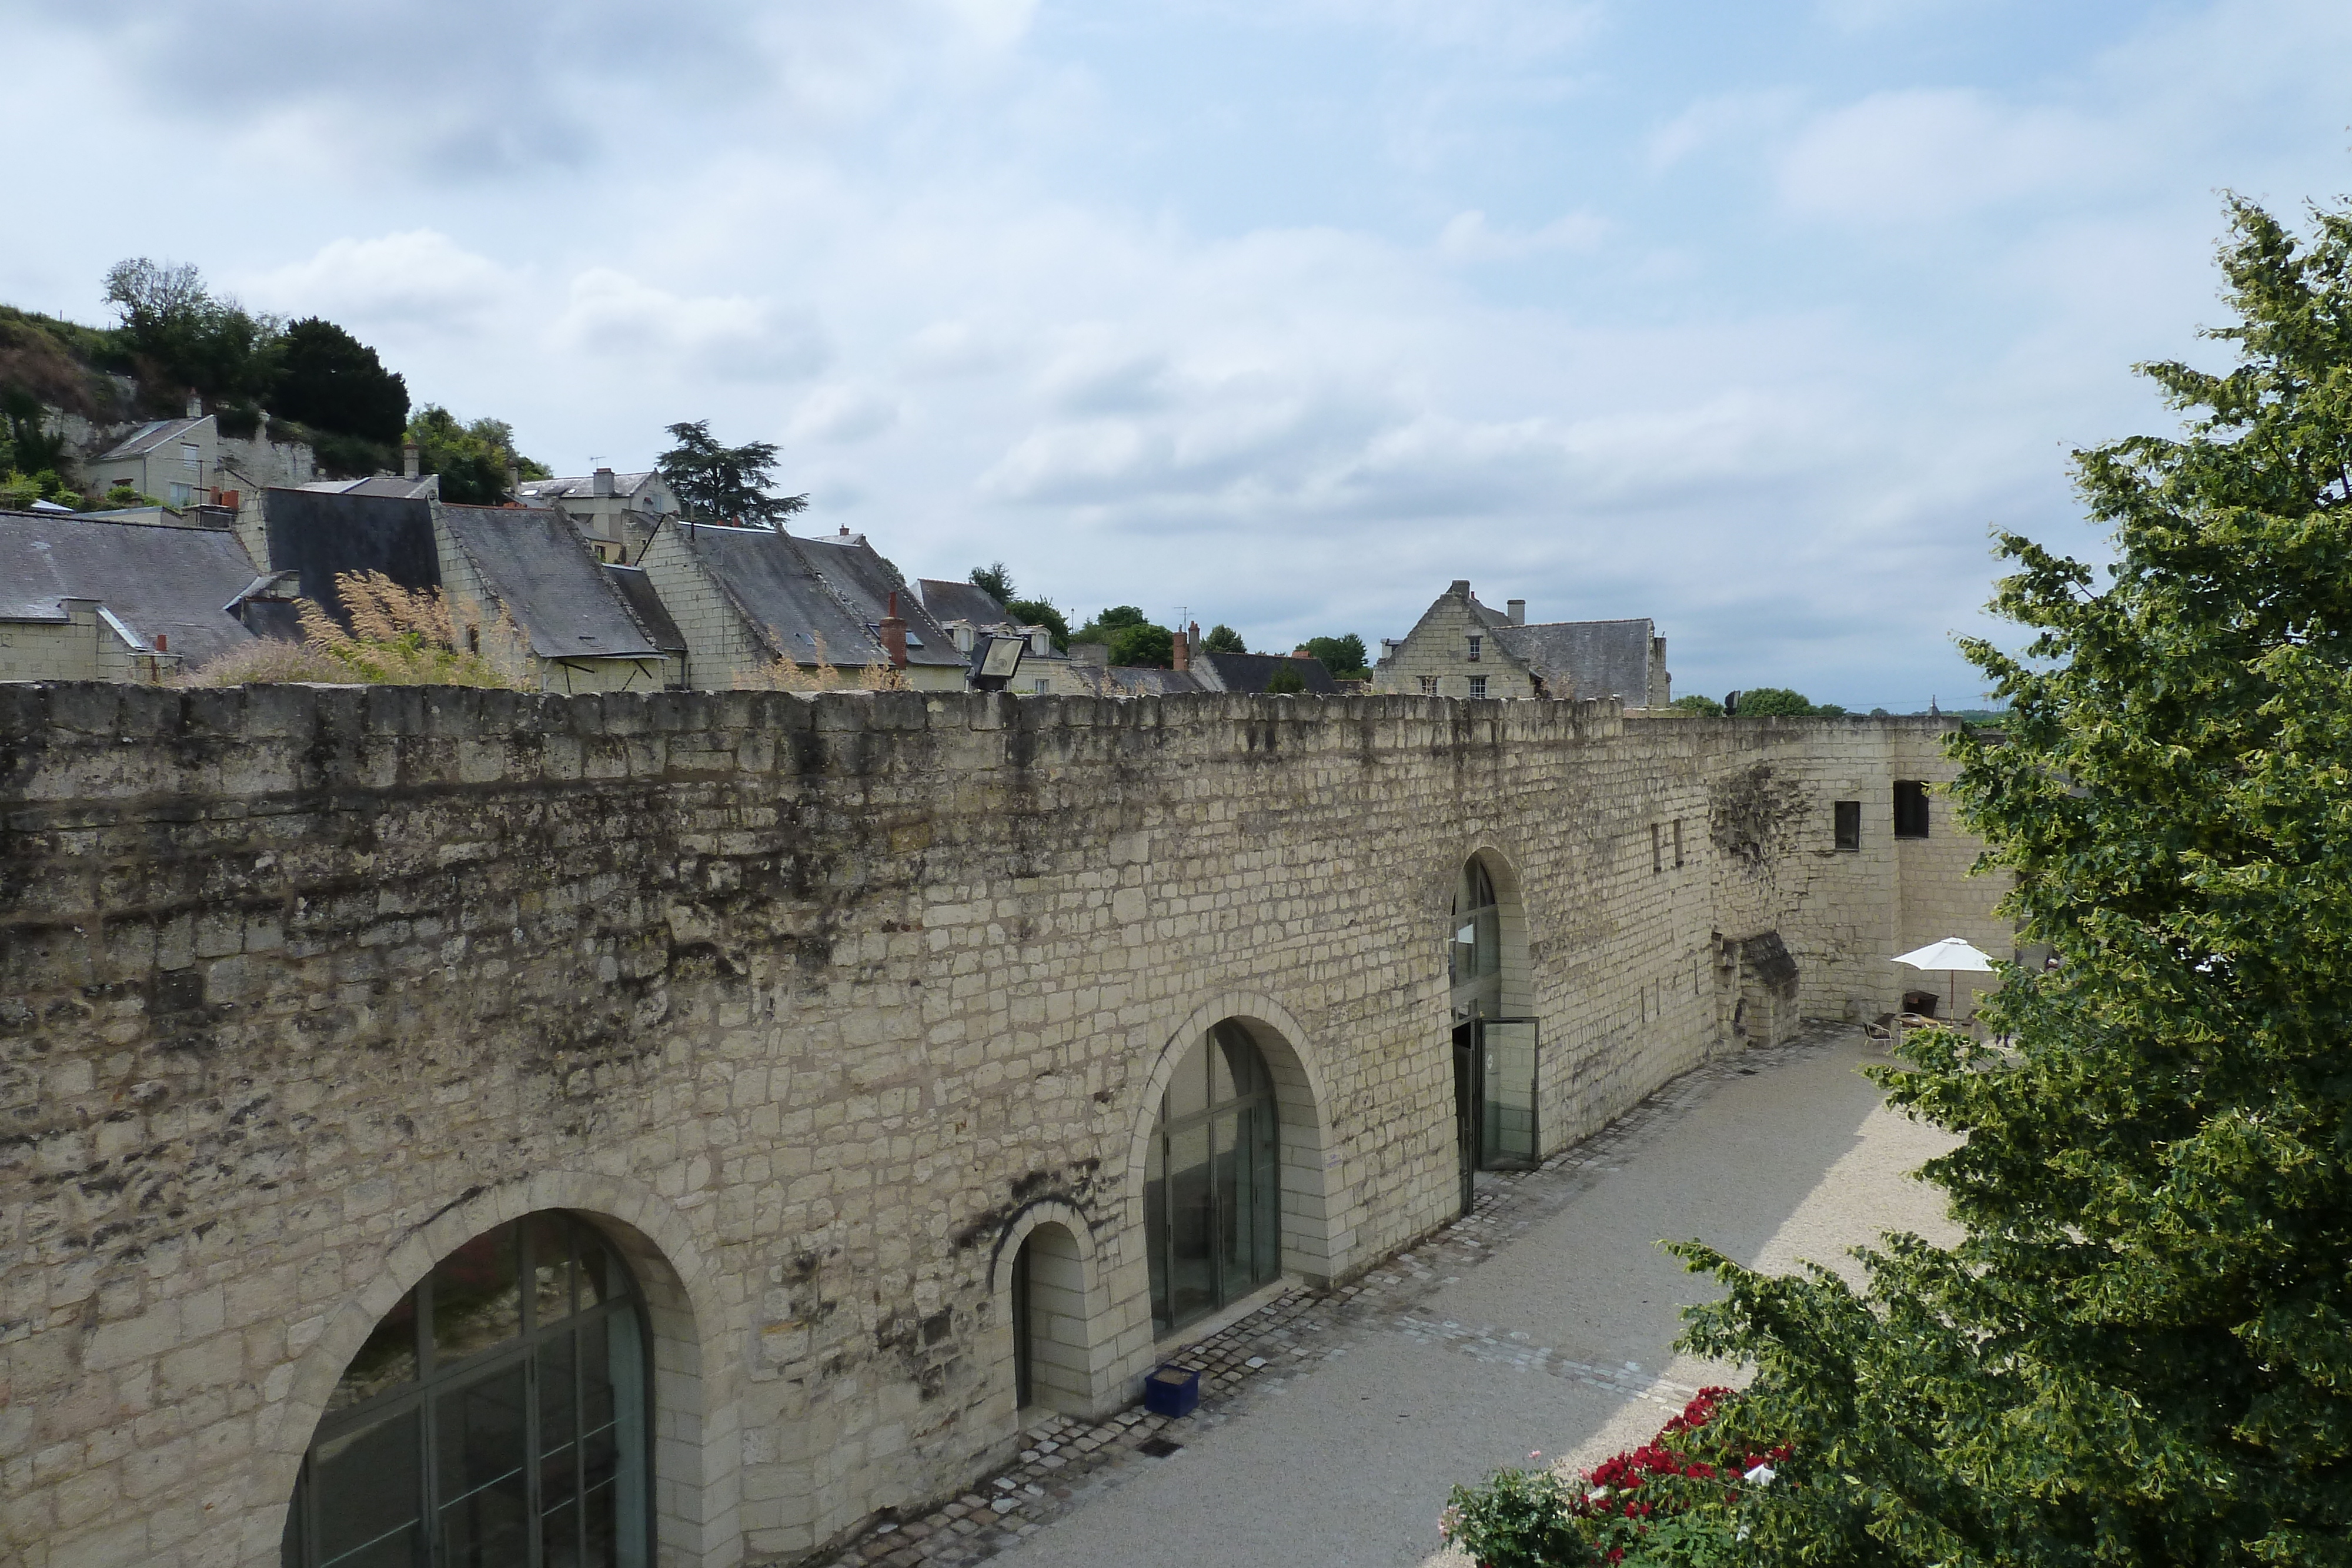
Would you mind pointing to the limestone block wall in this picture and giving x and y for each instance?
(817, 1005)
(1438, 648)
(82, 647)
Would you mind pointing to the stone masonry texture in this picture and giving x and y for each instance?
(815, 1006)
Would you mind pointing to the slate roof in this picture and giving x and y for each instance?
(1586, 658)
(646, 605)
(583, 486)
(962, 601)
(859, 573)
(148, 438)
(154, 579)
(549, 581)
(783, 597)
(393, 485)
(321, 533)
(1137, 680)
(1251, 672)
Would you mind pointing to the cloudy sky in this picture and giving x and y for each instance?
(1751, 319)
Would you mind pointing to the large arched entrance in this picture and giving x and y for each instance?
(496, 1417)
(1213, 1180)
(1496, 1043)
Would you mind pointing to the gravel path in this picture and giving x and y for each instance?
(1333, 1424)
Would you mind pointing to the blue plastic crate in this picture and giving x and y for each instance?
(1172, 1391)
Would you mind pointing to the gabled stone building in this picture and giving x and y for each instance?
(1461, 648)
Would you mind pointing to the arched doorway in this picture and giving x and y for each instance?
(1212, 1184)
(1050, 1368)
(496, 1417)
(1496, 1038)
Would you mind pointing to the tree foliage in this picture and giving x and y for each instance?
(1223, 638)
(331, 379)
(995, 581)
(1038, 612)
(1705, 707)
(1343, 657)
(1766, 702)
(189, 337)
(472, 459)
(1133, 641)
(725, 483)
(2140, 1352)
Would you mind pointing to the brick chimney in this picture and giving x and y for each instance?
(411, 457)
(1300, 654)
(1183, 650)
(195, 406)
(1517, 609)
(894, 634)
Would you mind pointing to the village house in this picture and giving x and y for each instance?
(1461, 648)
(88, 598)
(172, 460)
(969, 613)
(617, 513)
(746, 601)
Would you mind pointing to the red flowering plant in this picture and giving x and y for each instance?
(1676, 1501)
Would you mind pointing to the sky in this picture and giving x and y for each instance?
(1752, 319)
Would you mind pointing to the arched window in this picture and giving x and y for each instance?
(494, 1418)
(1212, 1181)
(1476, 952)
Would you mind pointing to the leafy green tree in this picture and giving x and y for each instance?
(995, 581)
(1142, 645)
(1223, 638)
(1038, 612)
(330, 380)
(1343, 657)
(2140, 1352)
(1705, 707)
(471, 459)
(1766, 702)
(1285, 682)
(725, 483)
(187, 335)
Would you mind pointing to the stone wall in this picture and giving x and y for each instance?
(817, 1005)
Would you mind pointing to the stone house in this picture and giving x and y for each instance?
(617, 513)
(88, 598)
(1461, 648)
(581, 629)
(967, 613)
(173, 460)
(745, 599)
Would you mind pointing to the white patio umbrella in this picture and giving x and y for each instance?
(1951, 954)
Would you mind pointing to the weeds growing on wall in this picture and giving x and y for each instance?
(417, 637)
(264, 661)
(820, 675)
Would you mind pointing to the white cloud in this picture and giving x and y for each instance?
(840, 416)
(1938, 155)
(420, 279)
(612, 315)
(1469, 237)
(1737, 119)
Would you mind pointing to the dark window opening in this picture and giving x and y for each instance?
(1849, 823)
(1213, 1181)
(1910, 809)
(1678, 841)
(1657, 858)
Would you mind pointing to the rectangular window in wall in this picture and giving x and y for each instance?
(1478, 686)
(1429, 685)
(1910, 809)
(1848, 814)
(1475, 644)
(1678, 841)
(1658, 853)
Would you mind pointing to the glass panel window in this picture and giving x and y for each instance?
(1212, 1188)
(1509, 1076)
(1478, 686)
(476, 1297)
(518, 1441)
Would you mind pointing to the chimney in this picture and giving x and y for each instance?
(514, 480)
(603, 483)
(894, 633)
(1459, 588)
(1183, 650)
(411, 457)
(195, 406)
(1519, 610)
(162, 643)
(1300, 654)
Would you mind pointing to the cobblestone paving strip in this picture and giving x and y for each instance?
(1067, 1462)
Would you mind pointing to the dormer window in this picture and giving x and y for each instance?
(1474, 643)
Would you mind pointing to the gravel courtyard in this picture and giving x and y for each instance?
(1332, 1426)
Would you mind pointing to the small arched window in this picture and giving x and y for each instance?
(1213, 1181)
(1476, 952)
(496, 1416)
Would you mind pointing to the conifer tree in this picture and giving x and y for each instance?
(2141, 1349)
